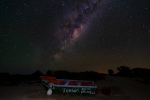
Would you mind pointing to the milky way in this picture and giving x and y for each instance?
(74, 35)
(75, 22)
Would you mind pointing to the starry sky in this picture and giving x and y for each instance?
(73, 35)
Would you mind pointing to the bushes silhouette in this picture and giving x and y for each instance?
(124, 71)
(110, 72)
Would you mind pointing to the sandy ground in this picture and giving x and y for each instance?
(136, 90)
(121, 88)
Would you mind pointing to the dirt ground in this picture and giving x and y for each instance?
(37, 92)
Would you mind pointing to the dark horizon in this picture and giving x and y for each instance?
(125, 69)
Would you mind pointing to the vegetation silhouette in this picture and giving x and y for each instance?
(37, 73)
(124, 71)
(87, 75)
(110, 72)
(49, 73)
(7, 79)
(141, 74)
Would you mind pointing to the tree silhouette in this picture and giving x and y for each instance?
(110, 71)
(49, 73)
(124, 70)
(36, 74)
(62, 74)
(141, 72)
(5, 74)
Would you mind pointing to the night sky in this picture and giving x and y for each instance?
(73, 35)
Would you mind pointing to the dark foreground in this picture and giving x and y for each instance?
(121, 89)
